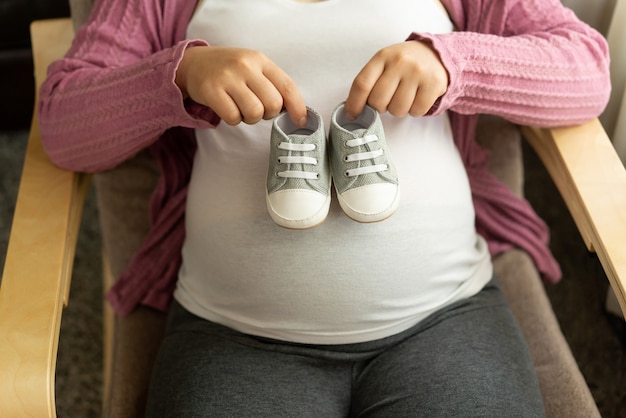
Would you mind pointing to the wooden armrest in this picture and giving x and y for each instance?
(592, 180)
(36, 278)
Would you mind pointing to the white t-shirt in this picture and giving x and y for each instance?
(341, 282)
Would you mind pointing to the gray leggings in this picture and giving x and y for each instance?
(469, 359)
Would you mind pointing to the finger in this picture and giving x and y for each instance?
(225, 107)
(292, 99)
(403, 99)
(383, 92)
(424, 99)
(249, 105)
(269, 97)
(362, 86)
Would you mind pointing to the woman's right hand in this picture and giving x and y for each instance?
(239, 85)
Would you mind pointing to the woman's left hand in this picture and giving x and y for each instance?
(402, 79)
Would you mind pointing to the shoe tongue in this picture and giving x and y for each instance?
(300, 139)
(359, 133)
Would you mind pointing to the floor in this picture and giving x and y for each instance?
(598, 340)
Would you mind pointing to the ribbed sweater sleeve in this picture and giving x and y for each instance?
(113, 94)
(530, 61)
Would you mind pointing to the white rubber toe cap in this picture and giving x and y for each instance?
(371, 203)
(297, 208)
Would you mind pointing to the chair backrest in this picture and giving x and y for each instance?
(596, 13)
(80, 10)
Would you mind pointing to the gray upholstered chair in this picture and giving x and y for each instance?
(35, 282)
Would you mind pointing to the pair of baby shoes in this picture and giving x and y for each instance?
(303, 163)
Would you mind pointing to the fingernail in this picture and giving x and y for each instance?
(350, 116)
(302, 122)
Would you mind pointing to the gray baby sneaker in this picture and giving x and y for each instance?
(298, 177)
(364, 175)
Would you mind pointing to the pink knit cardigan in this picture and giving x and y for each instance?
(113, 95)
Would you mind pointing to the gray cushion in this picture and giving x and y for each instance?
(564, 388)
(80, 10)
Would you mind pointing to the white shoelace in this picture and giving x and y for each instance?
(297, 159)
(360, 156)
